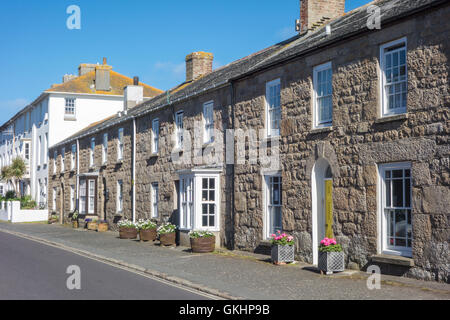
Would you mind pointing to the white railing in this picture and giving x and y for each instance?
(11, 211)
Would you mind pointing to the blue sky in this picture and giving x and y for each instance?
(147, 38)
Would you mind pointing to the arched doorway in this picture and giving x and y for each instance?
(322, 204)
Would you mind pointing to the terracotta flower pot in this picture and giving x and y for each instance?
(128, 233)
(102, 227)
(167, 239)
(147, 235)
(92, 226)
(203, 245)
(75, 224)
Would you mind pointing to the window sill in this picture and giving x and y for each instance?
(391, 118)
(154, 155)
(69, 118)
(393, 259)
(119, 161)
(322, 130)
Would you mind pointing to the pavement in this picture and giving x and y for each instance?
(227, 274)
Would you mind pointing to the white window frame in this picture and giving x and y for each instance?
(385, 112)
(39, 151)
(267, 176)
(54, 199)
(83, 196)
(179, 127)
(155, 136)
(70, 107)
(72, 198)
(119, 203)
(73, 157)
(92, 153)
(208, 121)
(382, 219)
(45, 148)
(55, 161)
(91, 195)
(63, 153)
(325, 122)
(105, 149)
(186, 196)
(155, 199)
(195, 217)
(120, 144)
(271, 132)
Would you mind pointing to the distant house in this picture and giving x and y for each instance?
(59, 112)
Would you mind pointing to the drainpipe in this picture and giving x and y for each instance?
(233, 209)
(133, 168)
(78, 177)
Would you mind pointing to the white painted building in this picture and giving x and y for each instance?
(59, 112)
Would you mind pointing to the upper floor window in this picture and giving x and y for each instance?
(46, 148)
(120, 145)
(155, 135)
(70, 106)
(73, 157)
(208, 116)
(92, 152)
(323, 100)
(179, 128)
(39, 151)
(273, 99)
(27, 152)
(394, 77)
(105, 148)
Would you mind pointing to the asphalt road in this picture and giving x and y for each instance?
(30, 270)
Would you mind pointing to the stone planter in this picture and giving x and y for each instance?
(92, 226)
(282, 254)
(203, 245)
(102, 227)
(330, 262)
(148, 235)
(167, 239)
(128, 233)
(75, 224)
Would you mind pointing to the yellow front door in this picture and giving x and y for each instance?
(329, 208)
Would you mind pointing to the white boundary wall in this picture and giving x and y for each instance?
(10, 211)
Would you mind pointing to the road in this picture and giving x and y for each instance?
(33, 271)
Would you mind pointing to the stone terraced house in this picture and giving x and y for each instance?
(342, 130)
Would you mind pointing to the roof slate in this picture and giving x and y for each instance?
(351, 23)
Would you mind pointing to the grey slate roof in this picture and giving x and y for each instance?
(348, 25)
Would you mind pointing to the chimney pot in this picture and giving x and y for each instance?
(104, 61)
(136, 81)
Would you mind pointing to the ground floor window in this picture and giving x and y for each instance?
(155, 196)
(273, 204)
(119, 196)
(88, 195)
(54, 200)
(72, 198)
(199, 201)
(396, 190)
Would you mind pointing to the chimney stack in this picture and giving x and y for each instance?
(103, 77)
(198, 64)
(316, 13)
(133, 94)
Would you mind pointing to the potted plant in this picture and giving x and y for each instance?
(127, 229)
(282, 248)
(147, 230)
(75, 224)
(202, 241)
(53, 219)
(102, 226)
(91, 224)
(167, 234)
(331, 256)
